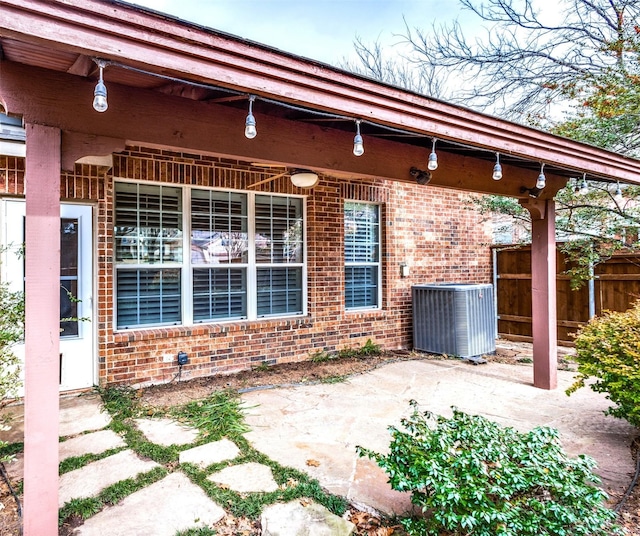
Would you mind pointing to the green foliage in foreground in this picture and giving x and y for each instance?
(472, 476)
(608, 349)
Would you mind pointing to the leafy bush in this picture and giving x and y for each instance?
(472, 476)
(11, 332)
(608, 348)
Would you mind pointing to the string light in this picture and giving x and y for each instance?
(497, 169)
(432, 165)
(584, 187)
(100, 103)
(542, 180)
(619, 198)
(250, 130)
(358, 144)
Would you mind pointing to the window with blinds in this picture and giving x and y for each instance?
(362, 255)
(246, 255)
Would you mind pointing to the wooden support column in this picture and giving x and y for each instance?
(543, 292)
(42, 330)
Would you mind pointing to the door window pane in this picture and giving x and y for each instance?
(69, 277)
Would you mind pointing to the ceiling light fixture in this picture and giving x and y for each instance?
(304, 178)
(497, 169)
(358, 144)
(542, 180)
(250, 130)
(432, 165)
(100, 92)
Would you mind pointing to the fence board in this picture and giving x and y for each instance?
(617, 287)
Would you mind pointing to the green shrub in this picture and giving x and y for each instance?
(321, 356)
(608, 348)
(469, 475)
(370, 348)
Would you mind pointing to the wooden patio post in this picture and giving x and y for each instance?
(543, 292)
(42, 332)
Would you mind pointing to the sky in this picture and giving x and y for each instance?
(322, 30)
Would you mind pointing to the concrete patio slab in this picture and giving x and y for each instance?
(91, 479)
(325, 422)
(166, 432)
(92, 443)
(296, 519)
(246, 478)
(170, 505)
(214, 452)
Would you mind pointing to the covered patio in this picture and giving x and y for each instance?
(172, 85)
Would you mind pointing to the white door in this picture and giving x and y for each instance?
(77, 355)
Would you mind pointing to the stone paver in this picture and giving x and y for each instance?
(214, 452)
(166, 432)
(170, 505)
(325, 422)
(246, 478)
(91, 479)
(295, 519)
(93, 443)
(78, 414)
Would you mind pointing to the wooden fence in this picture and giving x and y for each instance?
(616, 288)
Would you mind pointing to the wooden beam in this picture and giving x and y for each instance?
(149, 118)
(42, 336)
(163, 45)
(543, 293)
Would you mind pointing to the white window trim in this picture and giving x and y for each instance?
(186, 268)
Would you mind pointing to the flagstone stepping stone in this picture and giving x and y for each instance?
(214, 452)
(296, 519)
(90, 480)
(165, 507)
(81, 414)
(93, 443)
(78, 414)
(166, 432)
(246, 478)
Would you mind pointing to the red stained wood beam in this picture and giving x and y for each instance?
(148, 117)
(161, 44)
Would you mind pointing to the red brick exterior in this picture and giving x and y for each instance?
(432, 230)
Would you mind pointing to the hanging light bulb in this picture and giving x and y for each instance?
(432, 165)
(542, 180)
(358, 144)
(497, 169)
(619, 198)
(250, 130)
(100, 92)
(584, 187)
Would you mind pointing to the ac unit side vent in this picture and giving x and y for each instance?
(456, 319)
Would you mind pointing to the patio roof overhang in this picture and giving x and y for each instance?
(191, 84)
(176, 84)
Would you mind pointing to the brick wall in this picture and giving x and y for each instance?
(427, 228)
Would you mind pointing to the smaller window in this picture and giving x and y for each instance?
(362, 255)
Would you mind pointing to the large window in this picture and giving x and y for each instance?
(362, 255)
(246, 255)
